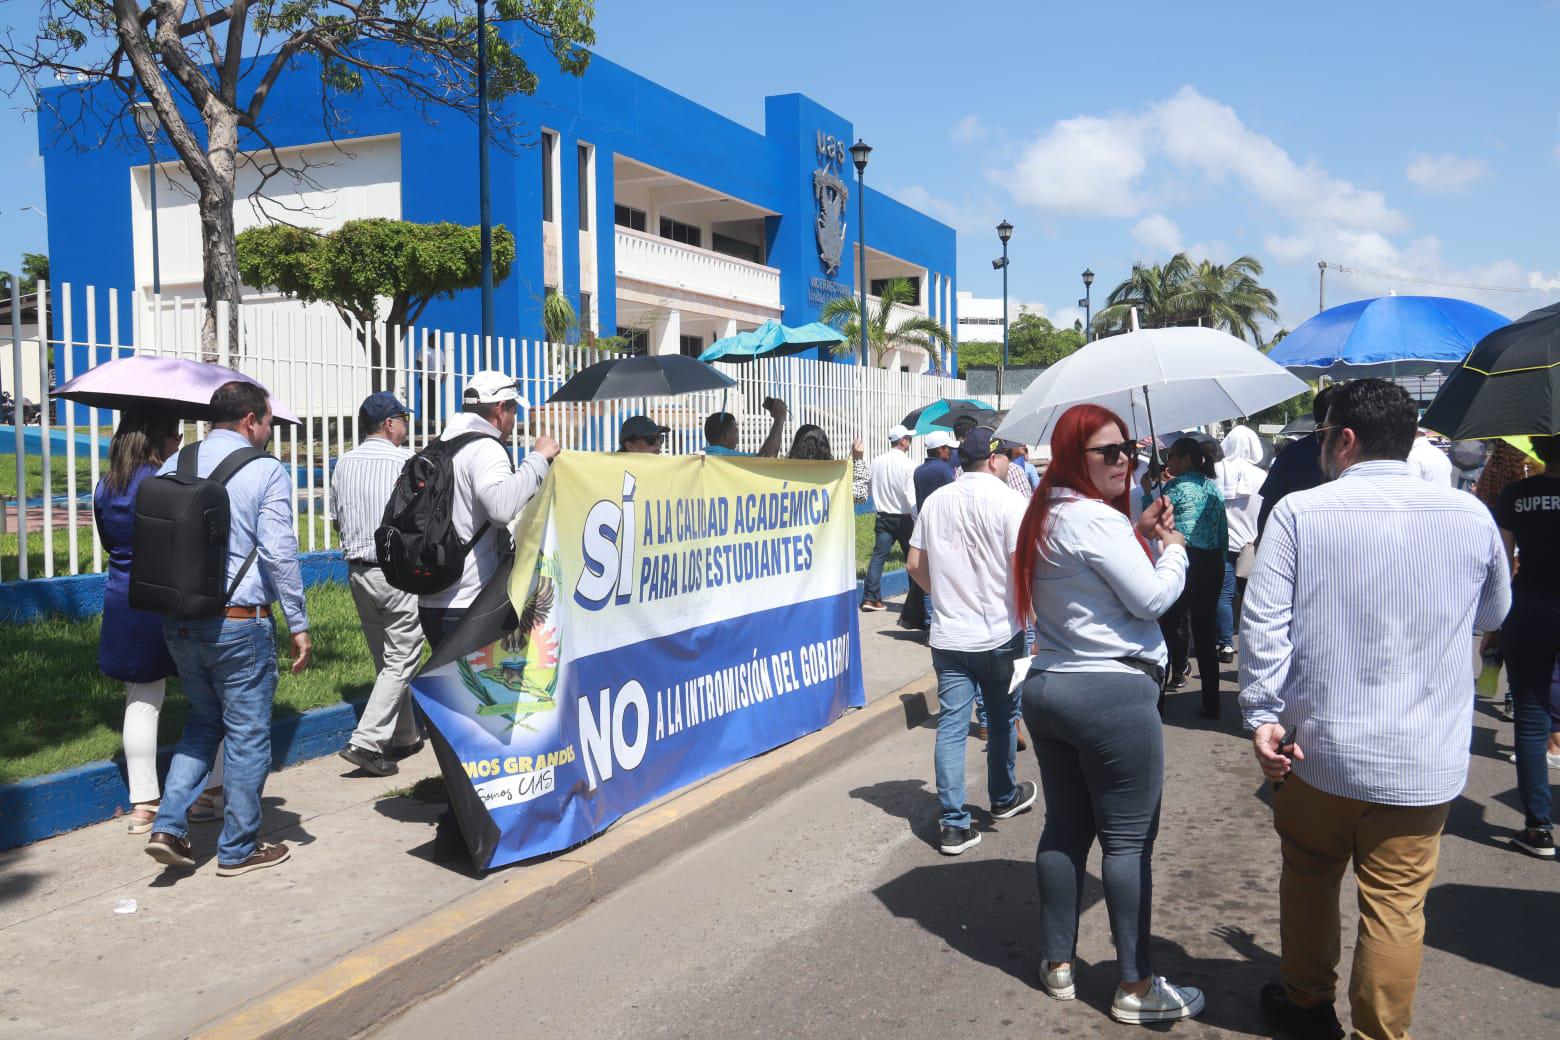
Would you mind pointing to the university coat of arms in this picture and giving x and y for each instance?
(831, 194)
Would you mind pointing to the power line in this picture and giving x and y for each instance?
(1328, 265)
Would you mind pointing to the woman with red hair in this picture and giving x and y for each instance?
(1091, 700)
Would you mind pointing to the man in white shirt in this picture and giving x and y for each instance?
(489, 493)
(1427, 462)
(961, 554)
(1375, 701)
(891, 482)
(360, 487)
(1240, 480)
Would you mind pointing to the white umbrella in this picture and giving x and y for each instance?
(1171, 378)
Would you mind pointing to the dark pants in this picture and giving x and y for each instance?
(439, 622)
(1530, 641)
(1193, 620)
(890, 528)
(913, 614)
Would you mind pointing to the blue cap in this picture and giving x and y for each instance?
(376, 408)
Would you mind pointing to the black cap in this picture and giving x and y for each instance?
(378, 407)
(981, 443)
(640, 426)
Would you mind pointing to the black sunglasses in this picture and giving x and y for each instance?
(1113, 452)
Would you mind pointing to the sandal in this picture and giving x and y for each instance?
(142, 816)
(208, 807)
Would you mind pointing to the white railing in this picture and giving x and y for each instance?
(315, 365)
(660, 261)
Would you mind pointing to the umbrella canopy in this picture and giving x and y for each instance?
(173, 384)
(1177, 378)
(1299, 427)
(1388, 335)
(980, 415)
(663, 375)
(772, 339)
(923, 420)
(1509, 386)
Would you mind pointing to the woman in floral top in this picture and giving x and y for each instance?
(1199, 516)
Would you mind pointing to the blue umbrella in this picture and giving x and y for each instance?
(1388, 335)
(772, 339)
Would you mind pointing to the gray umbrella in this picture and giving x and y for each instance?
(663, 375)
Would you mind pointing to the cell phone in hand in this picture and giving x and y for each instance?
(1286, 744)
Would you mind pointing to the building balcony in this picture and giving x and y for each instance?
(679, 269)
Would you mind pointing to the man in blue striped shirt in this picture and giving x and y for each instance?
(1356, 647)
(360, 487)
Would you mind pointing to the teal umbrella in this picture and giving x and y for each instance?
(772, 339)
(924, 419)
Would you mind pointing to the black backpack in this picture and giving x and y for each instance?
(179, 552)
(416, 542)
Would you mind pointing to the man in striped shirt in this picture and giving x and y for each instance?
(359, 488)
(1355, 645)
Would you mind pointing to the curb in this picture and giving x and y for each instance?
(369, 985)
(43, 806)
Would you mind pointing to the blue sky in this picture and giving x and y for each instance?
(1412, 140)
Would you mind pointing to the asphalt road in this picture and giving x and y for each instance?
(831, 914)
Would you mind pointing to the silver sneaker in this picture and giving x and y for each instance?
(1058, 982)
(1162, 1003)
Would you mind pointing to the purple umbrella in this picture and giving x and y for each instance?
(174, 384)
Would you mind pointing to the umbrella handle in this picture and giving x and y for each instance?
(1153, 442)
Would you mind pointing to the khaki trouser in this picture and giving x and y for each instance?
(1395, 850)
(395, 639)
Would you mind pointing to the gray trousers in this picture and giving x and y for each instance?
(395, 639)
(1100, 745)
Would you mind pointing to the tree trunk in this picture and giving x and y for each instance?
(219, 255)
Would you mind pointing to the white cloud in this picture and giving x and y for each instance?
(966, 216)
(1086, 165)
(1444, 174)
(1159, 233)
(969, 130)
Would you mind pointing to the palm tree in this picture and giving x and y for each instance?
(843, 312)
(1226, 296)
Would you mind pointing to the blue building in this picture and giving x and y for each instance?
(659, 219)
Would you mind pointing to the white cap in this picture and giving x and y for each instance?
(491, 387)
(897, 434)
(940, 439)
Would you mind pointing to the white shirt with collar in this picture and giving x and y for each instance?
(1427, 462)
(968, 531)
(892, 483)
(1097, 596)
(488, 490)
(1356, 631)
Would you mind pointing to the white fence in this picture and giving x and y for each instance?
(315, 365)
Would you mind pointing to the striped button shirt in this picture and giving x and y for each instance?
(1357, 631)
(359, 489)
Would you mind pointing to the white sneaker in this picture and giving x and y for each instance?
(1162, 1003)
(1058, 982)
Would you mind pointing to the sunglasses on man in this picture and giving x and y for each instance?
(1112, 453)
(652, 439)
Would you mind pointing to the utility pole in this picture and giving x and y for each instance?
(1321, 286)
(485, 199)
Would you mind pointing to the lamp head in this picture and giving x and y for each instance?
(145, 121)
(1004, 231)
(1088, 277)
(858, 155)
(999, 263)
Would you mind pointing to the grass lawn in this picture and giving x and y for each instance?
(59, 712)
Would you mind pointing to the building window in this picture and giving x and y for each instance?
(635, 341)
(587, 327)
(629, 217)
(879, 284)
(677, 231)
(549, 182)
(586, 176)
(736, 247)
(690, 346)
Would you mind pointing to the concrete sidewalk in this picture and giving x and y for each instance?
(198, 948)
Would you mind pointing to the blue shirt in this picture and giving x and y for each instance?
(931, 475)
(1356, 631)
(1199, 511)
(721, 449)
(260, 504)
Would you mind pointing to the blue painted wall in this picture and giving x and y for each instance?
(610, 108)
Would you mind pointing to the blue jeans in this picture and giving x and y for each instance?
(960, 674)
(1530, 641)
(228, 671)
(888, 529)
(1227, 603)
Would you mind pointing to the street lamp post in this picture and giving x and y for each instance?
(485, 206)
(1004, 232)
(146, 122)
(858, 154)
(1088, 283)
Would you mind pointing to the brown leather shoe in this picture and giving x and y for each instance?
(1023, 745)
(265, 855)
(170, 850)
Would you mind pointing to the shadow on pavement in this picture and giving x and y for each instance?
(14, 884)
(1508, 929)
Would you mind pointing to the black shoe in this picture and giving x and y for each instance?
(406, 750)
(1317, 1023)
(1534, 842)
(1177, 682)
(956, 839)
(1022, 799)
(369, 761)
(1227, 653)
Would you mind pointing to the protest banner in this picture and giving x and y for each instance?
(676, 615)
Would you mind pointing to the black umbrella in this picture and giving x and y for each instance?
(1299, 427)
(662, 375)
(973, 415)
(1509, 386)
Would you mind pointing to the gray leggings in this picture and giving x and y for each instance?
(1101, 750)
